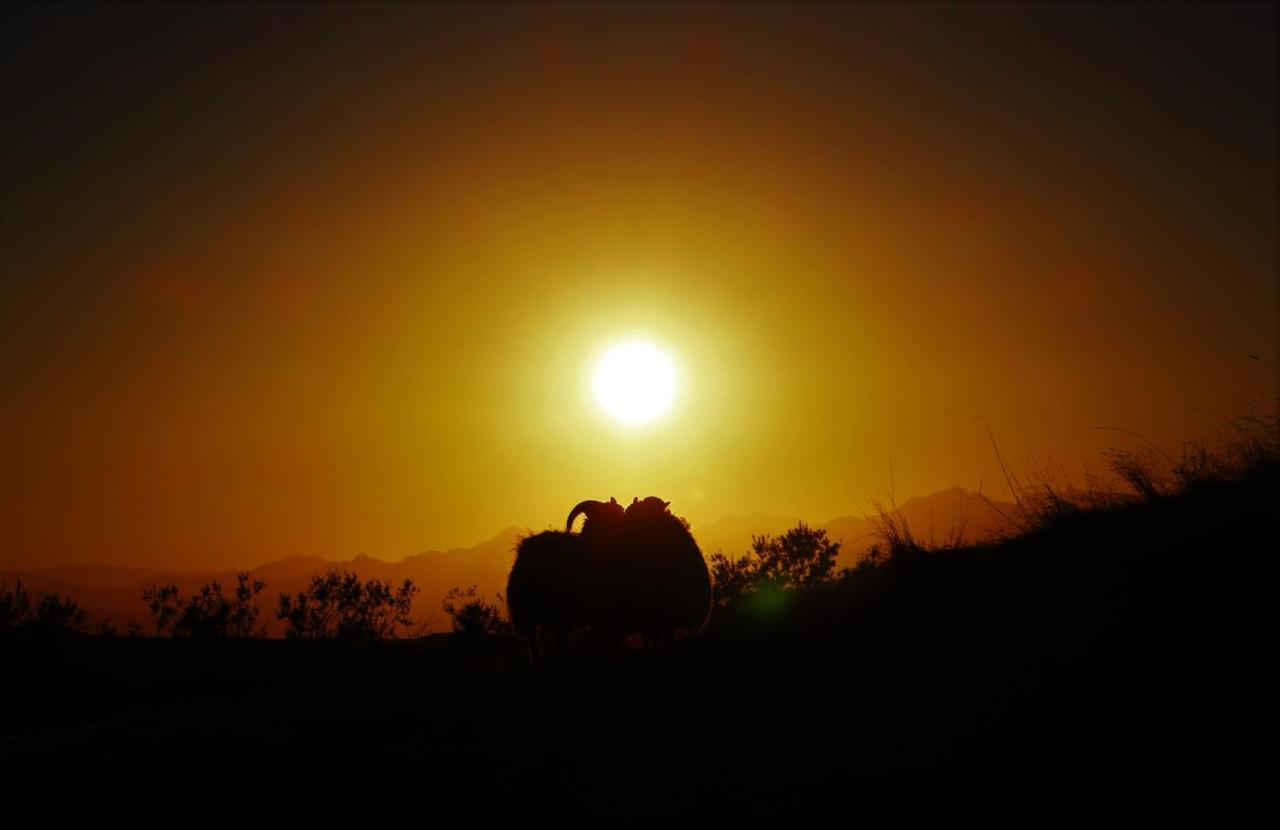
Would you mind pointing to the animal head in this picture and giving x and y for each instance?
(597, 512)
(650, 505)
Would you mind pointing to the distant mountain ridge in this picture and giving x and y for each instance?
(115, 592)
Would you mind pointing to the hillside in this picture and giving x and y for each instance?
(938, 517)
(1122, 644)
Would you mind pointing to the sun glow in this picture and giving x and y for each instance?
(635, 382)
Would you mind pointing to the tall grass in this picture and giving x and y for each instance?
(1045, 493)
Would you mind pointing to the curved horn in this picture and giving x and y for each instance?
(587, 507)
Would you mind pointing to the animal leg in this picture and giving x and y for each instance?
(532, 635)
(562, 652)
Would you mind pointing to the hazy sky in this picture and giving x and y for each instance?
(328, 279)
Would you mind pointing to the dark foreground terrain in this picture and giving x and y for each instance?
(1130, 646)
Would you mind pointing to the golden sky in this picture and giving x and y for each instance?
(328, 279)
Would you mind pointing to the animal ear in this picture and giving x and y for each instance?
(666, 504)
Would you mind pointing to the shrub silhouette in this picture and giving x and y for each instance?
(800, 558)
(15, 605)
(731, 578)
(208, 614)
(55, 611)
(164, 605)
(473, 619)
(339, 606)
(48, 610)
(211, 614)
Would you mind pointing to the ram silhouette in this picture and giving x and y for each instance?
(636, 571)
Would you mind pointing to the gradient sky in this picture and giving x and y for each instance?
(327, 279)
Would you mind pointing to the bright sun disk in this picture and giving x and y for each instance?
(635, 382)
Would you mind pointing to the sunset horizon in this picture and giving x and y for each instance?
(464, 379)
(286, 318)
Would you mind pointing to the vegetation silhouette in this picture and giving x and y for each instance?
(478, 623)
(803, 557)
(209, 614)
(1045, 496)
(48, 612)
(636, 571)
(1121, 632)
(164, 604)
(338, 606)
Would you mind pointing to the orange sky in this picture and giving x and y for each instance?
(326, 280)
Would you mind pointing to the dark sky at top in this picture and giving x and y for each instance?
(321, 278)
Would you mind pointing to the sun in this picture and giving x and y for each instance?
(635, 382)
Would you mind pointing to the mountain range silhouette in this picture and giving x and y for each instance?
(115, 592)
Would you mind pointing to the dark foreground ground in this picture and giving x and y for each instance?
(1125, 651)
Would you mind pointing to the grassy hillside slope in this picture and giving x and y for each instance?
(1125, 641)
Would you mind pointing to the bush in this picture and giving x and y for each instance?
(731, 578)
(48, 610)
(15, 606)
(54, 611)
(209, 614)
(164, 604)
(800, 558)
(339, 606)
(474, 620)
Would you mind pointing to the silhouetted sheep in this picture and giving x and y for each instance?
(548, 588)
(665, 587)
(604, 524)
(554, 582)
(637, 571)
